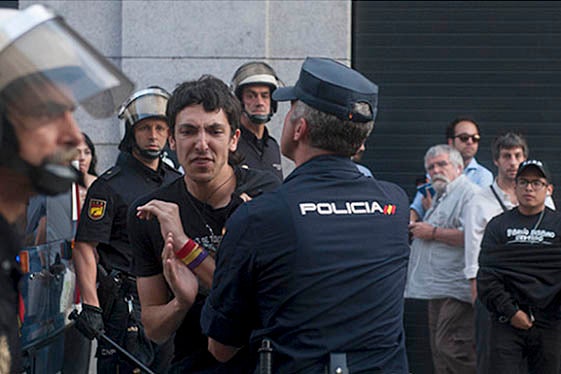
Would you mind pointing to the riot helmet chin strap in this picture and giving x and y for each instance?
(48, 178)
(258, 119)
(147, 154)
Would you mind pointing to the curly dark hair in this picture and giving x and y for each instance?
(209, 91)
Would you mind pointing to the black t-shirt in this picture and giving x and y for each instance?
(104, 216)
(10, 355)
(261, 154)
(203, 224)
(520, 263)
(317, 266)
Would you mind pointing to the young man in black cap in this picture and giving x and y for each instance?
(318, 266)
(519, 278)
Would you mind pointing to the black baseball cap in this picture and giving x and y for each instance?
(538, 165)
(331, 87)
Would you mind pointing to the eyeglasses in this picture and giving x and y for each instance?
(465, 137)
(536, 183)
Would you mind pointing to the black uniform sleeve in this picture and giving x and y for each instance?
(491, 288)
(144, 237)
(98, 212)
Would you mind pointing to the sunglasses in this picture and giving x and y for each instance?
(465, 137)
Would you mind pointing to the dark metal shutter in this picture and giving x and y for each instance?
(13, 4)
(498, 62)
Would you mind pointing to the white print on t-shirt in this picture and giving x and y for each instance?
(533, 236)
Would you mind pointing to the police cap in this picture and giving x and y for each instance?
(333, 88)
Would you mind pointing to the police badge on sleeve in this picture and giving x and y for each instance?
(96, 209)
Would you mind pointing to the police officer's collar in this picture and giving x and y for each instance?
(250, 136)
(128, 161)
(326, 163)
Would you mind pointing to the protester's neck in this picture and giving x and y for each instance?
(216, 192)
(257, 130)
(467, 161)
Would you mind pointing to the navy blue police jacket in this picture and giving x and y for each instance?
(104, 216)
(317, 266)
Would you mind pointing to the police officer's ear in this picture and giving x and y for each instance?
(300, 129)
(549, 190)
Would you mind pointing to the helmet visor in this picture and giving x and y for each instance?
(50, 67)
(150, 102)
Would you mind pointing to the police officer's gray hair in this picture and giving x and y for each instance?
(454, 156)
(331, 133)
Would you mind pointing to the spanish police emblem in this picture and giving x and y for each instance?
(96, 209)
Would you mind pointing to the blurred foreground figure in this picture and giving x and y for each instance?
(47, 70)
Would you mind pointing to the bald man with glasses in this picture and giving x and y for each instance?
(462, 134)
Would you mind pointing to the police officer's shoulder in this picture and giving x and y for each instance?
(393, 190)
(255, 182)
(111, 173)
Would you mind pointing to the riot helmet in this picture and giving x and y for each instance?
(46, 70)
(147, 103)
(256, 72)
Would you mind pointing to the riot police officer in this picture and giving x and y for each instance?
(317, 267)
(47, 71)
(102, 250)
(253, 84)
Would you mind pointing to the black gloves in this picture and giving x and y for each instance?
(90, 322)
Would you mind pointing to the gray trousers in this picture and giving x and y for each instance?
(451, 329)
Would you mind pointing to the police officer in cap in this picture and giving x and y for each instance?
(318, 266)
(102, 250)
(47, 70)
(253, 84)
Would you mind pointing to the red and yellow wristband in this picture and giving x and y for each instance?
(191, 254)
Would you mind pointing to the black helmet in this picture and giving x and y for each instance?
(38, 50)
(150, 102)
(256, 72)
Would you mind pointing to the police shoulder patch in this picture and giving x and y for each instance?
(96, 209)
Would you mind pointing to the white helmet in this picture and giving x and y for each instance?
(41, 57)
(150, 102)
(38, 47)
(255, 72)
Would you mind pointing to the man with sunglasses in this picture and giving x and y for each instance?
(519, 278)
(462, 134)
